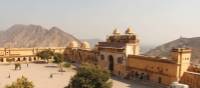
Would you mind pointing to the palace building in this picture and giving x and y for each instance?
(24, 54)
(120, 54)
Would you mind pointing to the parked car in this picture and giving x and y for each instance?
(178, 85)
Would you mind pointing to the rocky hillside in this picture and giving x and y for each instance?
(164, 50)
(34, 36)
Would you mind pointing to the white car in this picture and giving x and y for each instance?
(178, 85)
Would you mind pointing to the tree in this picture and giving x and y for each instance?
(46, 54)
(90, 76)
(21, 83)
(59, 58)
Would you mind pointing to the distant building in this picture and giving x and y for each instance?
(120, 54)
(24, 54)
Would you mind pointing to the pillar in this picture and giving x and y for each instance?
(21, 59)
(32, 58)
(15, 59)
(27, 59)
(4, 60)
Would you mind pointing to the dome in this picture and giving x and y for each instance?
(175, 82)
(129, 31)
(115, 31)
(85, 45)
(73, 44)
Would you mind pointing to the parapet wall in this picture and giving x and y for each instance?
(192, 79)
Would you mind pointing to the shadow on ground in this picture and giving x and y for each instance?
(51, 66)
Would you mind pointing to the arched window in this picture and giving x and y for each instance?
(18, 59)
(29, 59)
(35, 58)
(102, 57)
(166, 69)
(159, 80)
(120, 60)
(24, 59)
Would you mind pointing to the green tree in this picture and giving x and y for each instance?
(90, 76)
(21, 83)
(58, 59)
(45, 55)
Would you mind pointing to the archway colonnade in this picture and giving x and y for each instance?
(19, 59)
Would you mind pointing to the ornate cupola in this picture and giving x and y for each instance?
(85, 45)
(73, 44)
(129, 31)
(116, 32)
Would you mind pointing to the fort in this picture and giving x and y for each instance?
(120, 54)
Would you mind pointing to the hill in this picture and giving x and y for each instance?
(26, 36)
(164, 50)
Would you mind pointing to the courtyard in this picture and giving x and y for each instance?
(39, 74)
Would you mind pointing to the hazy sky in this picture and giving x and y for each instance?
(154, 21)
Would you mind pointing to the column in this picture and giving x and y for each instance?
(4, 60)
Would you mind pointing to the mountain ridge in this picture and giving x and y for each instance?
(26, 36)
(164, 50)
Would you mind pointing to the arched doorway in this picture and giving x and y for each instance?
(34, 58)
(24, 59)
(159, 80)
(18, 59)
(111, 63)
(30, 59)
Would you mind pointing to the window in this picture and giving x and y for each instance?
(158, 68)
(151, 67)
(24, 59)
(34, 58)
(120, 60)
(102, 57)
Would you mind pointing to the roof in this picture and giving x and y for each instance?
(85, 45)
(129, 31)
(158, 59)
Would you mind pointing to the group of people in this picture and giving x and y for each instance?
(19, 67)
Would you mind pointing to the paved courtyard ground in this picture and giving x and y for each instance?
(39, 74)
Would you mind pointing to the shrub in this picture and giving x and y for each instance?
(67, 64)
(90, 76)
(21, 83)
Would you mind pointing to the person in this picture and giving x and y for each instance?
(51, 75)
(20, 67)
(9, 75)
